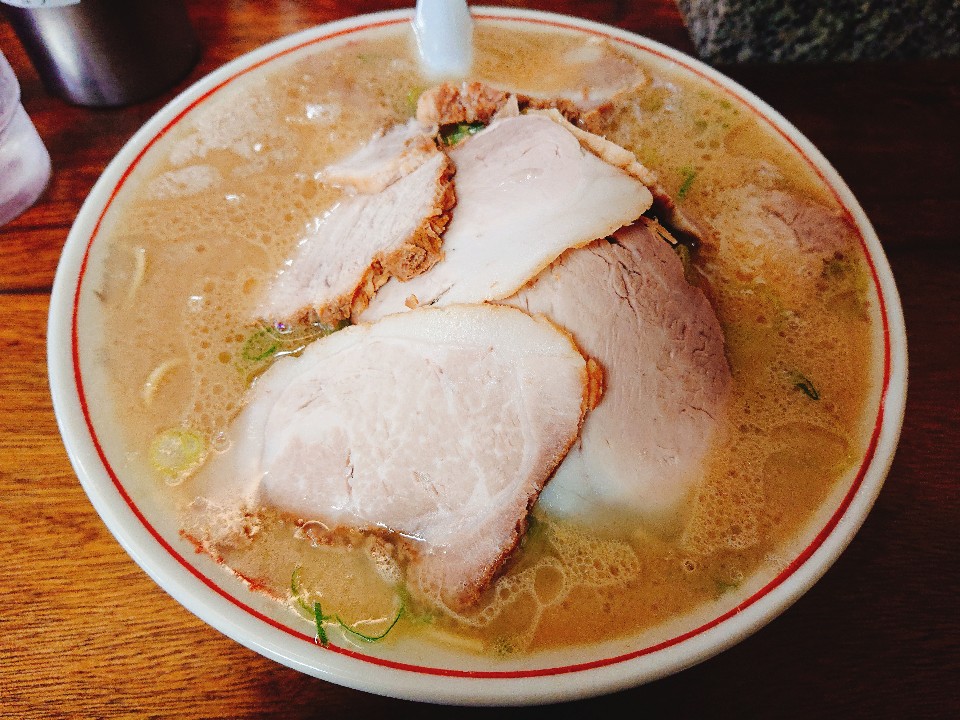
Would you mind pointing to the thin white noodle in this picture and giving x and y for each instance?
(156, 377)
(139, 271)
(453, 640)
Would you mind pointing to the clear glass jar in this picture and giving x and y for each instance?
(24, 160)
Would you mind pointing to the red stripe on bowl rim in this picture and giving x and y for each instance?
(778, 580)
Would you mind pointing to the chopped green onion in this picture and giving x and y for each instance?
(723, 586)
(316, 612)
(297, 590)
(269, 342)
(689, 174)
(261, 345)
(452, 134)
(503, 647)
(319, 618)
(835, 268)
(176, 452)
(804, 385)
(654, 99)
(370, 638)
(413, 97)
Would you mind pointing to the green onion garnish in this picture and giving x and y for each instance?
(261, 345)
(319, 617)
(803, 384)
(370, 638)
(316, 613)
(689, 174)
(176, 452)
(297, 590)
(452, 134)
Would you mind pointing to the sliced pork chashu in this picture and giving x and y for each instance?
(667, 382)
(440, 425)
(663, 205)
(395, 231)
(601, 74)
(477, 102)
(526, 191)
(396, 152)
(473, 102)
(468, 102)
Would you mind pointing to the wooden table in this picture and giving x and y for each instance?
(85, 633)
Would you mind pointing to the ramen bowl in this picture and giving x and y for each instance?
(134, 506)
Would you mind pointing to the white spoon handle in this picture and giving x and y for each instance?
(444, 31)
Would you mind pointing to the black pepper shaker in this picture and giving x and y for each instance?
(105, 52)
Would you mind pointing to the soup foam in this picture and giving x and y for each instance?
(201, 228)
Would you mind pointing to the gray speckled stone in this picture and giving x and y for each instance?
(729, 31)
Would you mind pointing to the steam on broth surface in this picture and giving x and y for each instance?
(220, 201)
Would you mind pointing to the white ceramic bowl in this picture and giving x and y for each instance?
(226, 604)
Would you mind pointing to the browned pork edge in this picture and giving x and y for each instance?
(422, 250)
(477, 102)
(469, 593)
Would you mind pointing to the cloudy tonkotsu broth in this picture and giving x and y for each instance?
(222, 198)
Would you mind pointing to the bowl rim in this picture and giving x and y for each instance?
(219, 608)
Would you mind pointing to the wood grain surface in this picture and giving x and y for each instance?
(84, 633)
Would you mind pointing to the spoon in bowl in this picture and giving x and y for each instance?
(444, 32)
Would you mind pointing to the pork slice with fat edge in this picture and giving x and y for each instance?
(440, 426)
